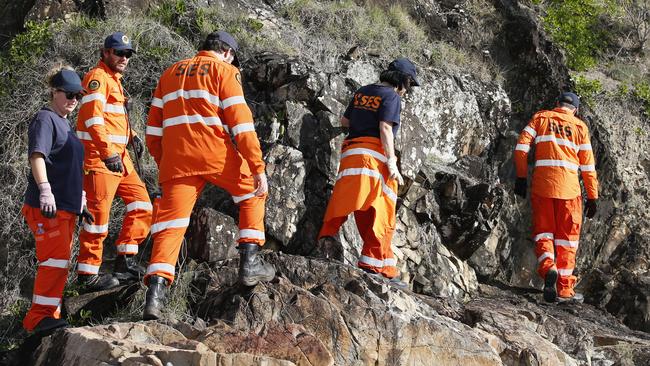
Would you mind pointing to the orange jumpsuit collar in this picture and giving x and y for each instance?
(101, 64)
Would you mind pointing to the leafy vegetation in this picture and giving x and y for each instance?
(575, 26)
(586, 88)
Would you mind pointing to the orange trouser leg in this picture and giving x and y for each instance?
(377, 234)
(543, 211)
(53, 245)
(100, 190)
(137, 220)
(237, 180)
(568, 219)
(172, 218)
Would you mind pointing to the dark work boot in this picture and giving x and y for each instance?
(550, 282)
(252, 268)
(126, 268)
(47, 324)
(95, 282)
(155, 297)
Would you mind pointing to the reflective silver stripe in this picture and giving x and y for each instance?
(388, 262)
(95, 96)
(238, 199)
(252, 234)
(96, 229)
(154, 131)
(84, 136)
(361, 151)
(171, 224)
(243, 127)
(157, 102)
(372, 173)
(584, 147)
(87, 268)
(48, 301)
(139, 205)
(114, 108)
(162, 267)
(197, 118)
(522, 147)
(112, 138)
(588, 168)
(565, 272)
(228, 102)
(552, 138)
(127, 248)
(187, 94)
(544, 256)
(119, 139)
(94, 121)
(541, 236)
(57, 263)
(561, 163)
(566, 243)
(530, 131)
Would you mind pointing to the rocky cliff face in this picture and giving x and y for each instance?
(462, 238)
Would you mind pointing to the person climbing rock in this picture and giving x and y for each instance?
(562, 149)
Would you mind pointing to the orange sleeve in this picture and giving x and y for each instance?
(588, 165)
(239, 119)
(526, 137)
(91, 113)
(154, 129)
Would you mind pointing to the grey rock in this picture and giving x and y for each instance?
(212, 236)
(285, 168)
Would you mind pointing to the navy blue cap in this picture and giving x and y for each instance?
(404, 65)
(67, 80)
(118, 41)
(569, 98)
(226, 38)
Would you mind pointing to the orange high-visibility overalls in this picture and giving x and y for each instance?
(104, 131)
(562, 147)
(198, 104)
(362, 186)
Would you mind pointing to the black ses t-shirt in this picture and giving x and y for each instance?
(370, 105)
(51, 135)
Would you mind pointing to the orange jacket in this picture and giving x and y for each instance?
(102, 124)
(562, 146)
(197, 105)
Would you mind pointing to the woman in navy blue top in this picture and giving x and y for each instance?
(54, 197)
(368, 176)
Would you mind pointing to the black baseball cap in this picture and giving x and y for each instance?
(118, 41)
(68, 81)
(404, 65)
(228, 39)
(569, 98)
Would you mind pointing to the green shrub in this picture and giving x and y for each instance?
(586, 88)
(642, 93)
(574, 25)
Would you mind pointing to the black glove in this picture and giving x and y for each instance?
(86, 216)
(138, 146)
(114, 163)
(521, 185)
(590, 208)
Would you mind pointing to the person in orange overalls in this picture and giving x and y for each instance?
(562, 148)
(367, 179)
(54, 197)
(197, 106)
(103, 127)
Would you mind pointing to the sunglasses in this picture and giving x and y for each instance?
(71, 95)
(123, 53)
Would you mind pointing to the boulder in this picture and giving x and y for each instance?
(212, 236)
